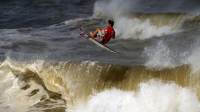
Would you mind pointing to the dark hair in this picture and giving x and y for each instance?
(111, 22)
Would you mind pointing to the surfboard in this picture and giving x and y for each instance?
(86, 36)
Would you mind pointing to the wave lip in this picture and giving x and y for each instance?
(23, 90)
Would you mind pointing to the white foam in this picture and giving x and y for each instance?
(153, 96)
(136, 29)
(74, 21)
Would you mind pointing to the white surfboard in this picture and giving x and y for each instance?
(101, 45)
(83, 34)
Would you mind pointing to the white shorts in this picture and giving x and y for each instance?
(100, 36)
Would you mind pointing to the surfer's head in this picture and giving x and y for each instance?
(111, 22)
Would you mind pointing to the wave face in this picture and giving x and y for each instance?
(60, 84)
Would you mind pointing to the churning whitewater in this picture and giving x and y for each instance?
(46, 67)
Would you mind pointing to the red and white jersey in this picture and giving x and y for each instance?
(109, 33)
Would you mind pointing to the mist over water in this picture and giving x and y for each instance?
(159, 56)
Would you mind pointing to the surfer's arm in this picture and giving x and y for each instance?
(113, 35)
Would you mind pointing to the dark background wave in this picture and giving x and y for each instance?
(167, 5)
(39, 13)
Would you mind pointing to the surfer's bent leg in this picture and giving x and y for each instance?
(94, 34)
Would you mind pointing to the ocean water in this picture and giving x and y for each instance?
(45, 66)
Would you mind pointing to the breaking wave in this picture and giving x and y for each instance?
(67, 84)
(133, 24)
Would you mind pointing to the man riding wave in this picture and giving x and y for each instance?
(104, 35)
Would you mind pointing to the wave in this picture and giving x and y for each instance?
(131, 24)
(74, 82)
(145, 26)
(141, 25)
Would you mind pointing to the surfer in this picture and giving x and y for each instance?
(104, 35)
